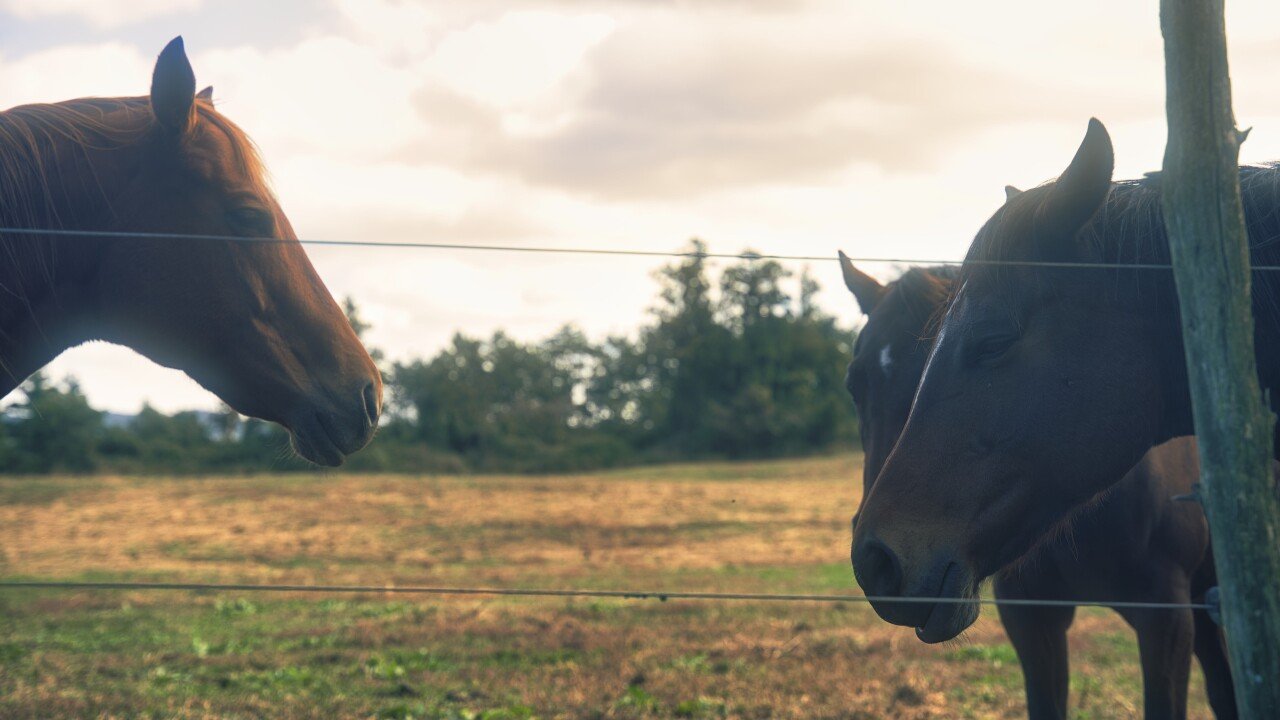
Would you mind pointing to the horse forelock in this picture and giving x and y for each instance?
(921, 288)
(244, 149)
(924, 293)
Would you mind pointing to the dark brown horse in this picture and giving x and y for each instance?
(1133, 545)
(1045, 384)
(250, 321)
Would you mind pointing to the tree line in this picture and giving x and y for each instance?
(742, 368)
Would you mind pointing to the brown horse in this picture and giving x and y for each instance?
(1134, 545)
(249, 320)
(1045, 384)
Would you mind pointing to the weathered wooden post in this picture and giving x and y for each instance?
(1205, 220)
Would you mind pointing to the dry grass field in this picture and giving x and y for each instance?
(769, 527)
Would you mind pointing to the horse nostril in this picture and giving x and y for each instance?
(878, 569)
(370, 396)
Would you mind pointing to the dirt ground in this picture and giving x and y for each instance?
(760, 527)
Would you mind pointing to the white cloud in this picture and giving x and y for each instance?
(393, 27)
(104, 14)
(880, 127)
(516, 58)
(324, 95)
(71, 71)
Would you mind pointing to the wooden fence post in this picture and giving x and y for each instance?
(1209, 244)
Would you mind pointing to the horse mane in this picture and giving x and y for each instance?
(923, 288)
(924, 292)
(31, 137)
(1129, 227)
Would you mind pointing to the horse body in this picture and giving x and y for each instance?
(249, 320)
(1133, 544)
(1046, 384)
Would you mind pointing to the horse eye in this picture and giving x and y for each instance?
(993, 348)
(253, 221)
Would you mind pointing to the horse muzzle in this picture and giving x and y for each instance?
(940, 604)
(327, 435)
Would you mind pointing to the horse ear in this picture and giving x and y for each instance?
(1082, 188)
(173, 88)
(866, 290)
(1011, 192)
(206, 94)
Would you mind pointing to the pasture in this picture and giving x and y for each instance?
(778, 526)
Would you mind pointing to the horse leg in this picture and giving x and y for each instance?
(1039, 636)
(1165, 639)
(1212, 654)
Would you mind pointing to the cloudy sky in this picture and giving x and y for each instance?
(887, 129)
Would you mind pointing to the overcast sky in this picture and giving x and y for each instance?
(787, 126)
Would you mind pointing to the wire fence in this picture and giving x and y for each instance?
(571, 593)
(618, 252)
(661, 595)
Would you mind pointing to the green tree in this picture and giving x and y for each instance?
(52, 429)
(742, 367)
(687, 354)
(486, 400)
(751, 292)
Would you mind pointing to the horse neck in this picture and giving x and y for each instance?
(46, 282)
(1157, 294)
(1261, 193)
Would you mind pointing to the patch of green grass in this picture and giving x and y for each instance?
(702, 707)
(691, 663)
(516, 659)
(402, 711)
(833, 578)
(43, 490)
(1084, 687)
(233, 607)
(640, 700)
(282, 681)
(394, 664)
(702, 663)
(101, 631)
(998, 655)
(247, 655)
(1123, 641)
(421, 711)
(12, 652)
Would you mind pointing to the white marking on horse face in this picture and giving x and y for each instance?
(886, 359)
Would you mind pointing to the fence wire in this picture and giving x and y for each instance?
(660, 595)
(619, 252)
